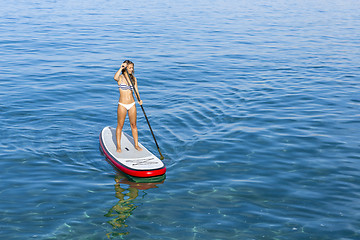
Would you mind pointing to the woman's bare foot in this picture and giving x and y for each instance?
(118, 149)
(138, 148)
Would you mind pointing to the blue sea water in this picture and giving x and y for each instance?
(255, 106)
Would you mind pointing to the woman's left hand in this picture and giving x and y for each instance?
(140, 102)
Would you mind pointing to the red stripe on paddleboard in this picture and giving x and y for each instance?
(131, 172)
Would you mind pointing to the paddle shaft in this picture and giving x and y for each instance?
(142, 108)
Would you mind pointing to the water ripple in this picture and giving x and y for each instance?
(254, 105)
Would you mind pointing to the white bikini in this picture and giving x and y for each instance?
(127, 106)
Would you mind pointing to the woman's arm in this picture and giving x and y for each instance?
(137, 90)
(118, 73)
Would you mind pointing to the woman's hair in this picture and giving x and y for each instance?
(129, 62)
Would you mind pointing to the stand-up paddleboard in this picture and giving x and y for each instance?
(130, 161)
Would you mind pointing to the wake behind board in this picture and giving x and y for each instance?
(130, 161)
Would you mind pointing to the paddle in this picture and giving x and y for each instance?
(138, 98)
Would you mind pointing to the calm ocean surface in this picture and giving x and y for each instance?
(255, 106)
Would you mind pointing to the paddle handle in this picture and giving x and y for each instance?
(147, 120)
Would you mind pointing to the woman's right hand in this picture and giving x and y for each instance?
(123, 66)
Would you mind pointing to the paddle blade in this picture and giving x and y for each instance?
(161, 156)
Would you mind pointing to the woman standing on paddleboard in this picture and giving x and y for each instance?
(126, 104)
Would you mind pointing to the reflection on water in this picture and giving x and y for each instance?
(127, 190)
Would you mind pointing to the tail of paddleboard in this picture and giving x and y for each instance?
(132, 162)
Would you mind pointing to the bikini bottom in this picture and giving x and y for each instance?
(127, 106)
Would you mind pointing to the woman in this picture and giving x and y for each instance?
(126, 102)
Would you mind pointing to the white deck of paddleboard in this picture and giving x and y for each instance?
(129, 156)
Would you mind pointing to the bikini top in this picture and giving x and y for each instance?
(123, 86)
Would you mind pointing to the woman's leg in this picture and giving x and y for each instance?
(134, 130)
(121, 115)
